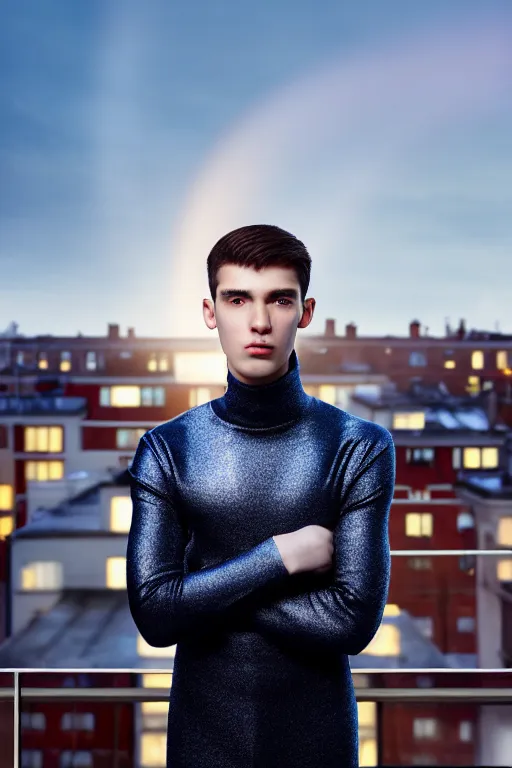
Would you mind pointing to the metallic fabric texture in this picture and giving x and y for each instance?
(261, 673)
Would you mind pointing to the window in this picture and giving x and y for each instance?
(477, 360)
(43, 439)
(473, 385)
(425, 728)
(120, 514)
(131, 396)
(466, 730)
(425, 625)
(153, 749)
(417, 359)
(6, 498)
(200, 368)
(450, 364)
(158, 362)
(386, 642)
(42, 361)
(504, 570)
(6, 526)
(419, 495)
(505, 532)
(146, 650)
(35, 721)
(480, 458)
(73, 759)
(20, 358)
(91, 361)
(116, 572)
(42, 575)
(419, 455)
(129, 437)
(502, 360)
(44, 470)
(31, 758)
(418, 524)
(414, 420)
(420, 563)
(77, 721)
(465, 624)
(65, 361)
(198, 396)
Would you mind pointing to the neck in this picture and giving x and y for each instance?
(262, 406)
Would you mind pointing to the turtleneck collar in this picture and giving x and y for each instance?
(261, 406)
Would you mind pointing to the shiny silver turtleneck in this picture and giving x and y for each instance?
(261, 672)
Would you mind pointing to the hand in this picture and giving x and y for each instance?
(307, 549)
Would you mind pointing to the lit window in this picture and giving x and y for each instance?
(120, 514)
(449, 363)
(6, 526)
(425, 728)
(44, 439)
(504, 570)
(502, 359)
(152, 362)
(44, 470)
(505, 532)
(199, 396)
(200, 367)
(146, 650)
(42, 575)
(163, 363)
(414, 420)
(157, 680)
(6, 498)
(42, 361)
(391, 609)
(477, 360)
(473, 386)
(480, 458)
(131, 396)
(327, 393)
(65, 361)
(125, 396)
(419, 524)
(386, 642)
(116, 572)
(153, 749)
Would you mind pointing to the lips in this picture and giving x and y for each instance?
(259, 346)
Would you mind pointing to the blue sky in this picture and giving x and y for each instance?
(132, 135)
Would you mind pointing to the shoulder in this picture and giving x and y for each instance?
(354, 428)
(172, 431)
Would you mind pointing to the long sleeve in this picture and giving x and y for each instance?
(167, 605)
(345, 615)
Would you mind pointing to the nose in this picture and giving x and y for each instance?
(261, 319)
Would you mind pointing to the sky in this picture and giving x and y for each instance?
(134, 135)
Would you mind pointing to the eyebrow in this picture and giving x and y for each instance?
(291, 293)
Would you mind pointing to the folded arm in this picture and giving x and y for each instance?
(345, 615)
(166, 605)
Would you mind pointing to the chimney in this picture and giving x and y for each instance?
(131, 334)
(350, 331)
(330, 329)
(414, 329)
(113, 331)
(461, 330)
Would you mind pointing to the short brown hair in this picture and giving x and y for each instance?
(258, 246)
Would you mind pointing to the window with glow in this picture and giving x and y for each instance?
(504, 570)
(419, 524)
(43, 439)
(449, 364)
(120, 514)
(386, 642)
(6, 498)
(475, 457)
(200, 367)
(505, 531)
(42, 361)
(6, 526)
(414, 420)
(502, 359)
(116, 572)
(153, 749)
(42, 575)
(477, 360)
(44, 470)
(199, 396)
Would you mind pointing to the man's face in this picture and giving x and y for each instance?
(253, 311)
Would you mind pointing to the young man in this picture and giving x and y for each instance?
(259, 538)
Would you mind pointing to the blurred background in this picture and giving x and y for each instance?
(132, 137)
